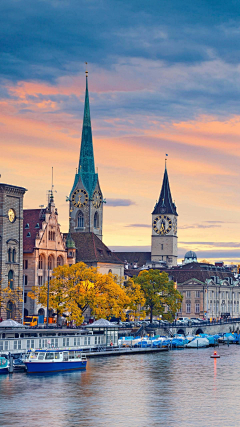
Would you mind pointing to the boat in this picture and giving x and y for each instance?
(198, 342)
(4, 364)
(42, 361)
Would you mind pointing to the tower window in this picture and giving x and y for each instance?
(59, 260)
(80, 220)
(29, 234)
(96, 220)
(9, 255)
(40, 262)
(27, 225)
(14, 255)
(37, 225)
(162, 247)
(10, 279)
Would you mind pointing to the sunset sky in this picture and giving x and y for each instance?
(164, 77)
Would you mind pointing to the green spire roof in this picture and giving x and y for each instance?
(86, 168)
(70, 242)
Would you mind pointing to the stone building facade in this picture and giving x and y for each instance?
(11, 246)
(44, 249)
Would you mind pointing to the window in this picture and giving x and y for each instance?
(77, 341)
(109, 271)
(188, 307)
(29, 234)
(162, 247)
(40, 280)
(25, 280)
(27, 225)
(25, 297)
(37, 225)
(51, 235)
(50, 262)
(14, 255)
(188, 294)
(10, 279)
(40, 262)
(9, 255)
(80, 220)
(59, 260)
(197, 308)
(25, 264)
(96, 220)
(197, 294)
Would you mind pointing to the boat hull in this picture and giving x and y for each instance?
(42, 367)
(4, 371)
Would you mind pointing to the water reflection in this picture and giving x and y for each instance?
(178, 388)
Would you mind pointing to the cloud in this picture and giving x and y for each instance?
(187, 227)
(119, 202)
(214, 244)
(138, 225)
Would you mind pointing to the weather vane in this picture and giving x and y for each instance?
(86, 69)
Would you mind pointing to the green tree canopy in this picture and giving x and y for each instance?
(159, 293)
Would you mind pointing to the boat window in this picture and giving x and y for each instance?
(65, 356)
(49, 356)
(57, 356)
(78, 354)
(71, 354)
(41, 356)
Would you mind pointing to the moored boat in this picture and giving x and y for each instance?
(4, 364)
(43, 361)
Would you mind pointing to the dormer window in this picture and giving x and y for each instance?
(100, 252)
(109, 253)
(27, 225)
(37, 225)
(29, 234)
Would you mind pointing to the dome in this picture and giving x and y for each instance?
(190, 256)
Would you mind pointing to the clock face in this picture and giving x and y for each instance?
(162, 224)
(175, 226)
(79, 198)
(97, 199)
(11, 215)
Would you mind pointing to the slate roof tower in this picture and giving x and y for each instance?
(85, 207)
(164, 226)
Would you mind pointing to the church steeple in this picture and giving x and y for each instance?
(86, 198)
(165, 203)
(86, 167)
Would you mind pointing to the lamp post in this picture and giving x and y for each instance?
(48, 297)
(23, 299)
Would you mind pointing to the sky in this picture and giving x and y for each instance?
(164, 77)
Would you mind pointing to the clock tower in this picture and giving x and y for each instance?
(164, 226)
(86, 199)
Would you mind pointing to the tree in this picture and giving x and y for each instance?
(73, 288)
(11, 298)
(159, 293)
(137, 300)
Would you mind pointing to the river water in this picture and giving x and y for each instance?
(177, 388)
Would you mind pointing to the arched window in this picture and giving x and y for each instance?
(10, 310)
(14, 255)
(9, 255)
(96, 220)
(109, 271)
(59, 260)
(80, 220)
(50, 262)
(41, 262)
(10, 279)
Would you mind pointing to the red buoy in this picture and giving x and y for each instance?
(215, 355)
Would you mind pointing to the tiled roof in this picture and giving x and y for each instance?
(197, 271)
(91, 249)
(165, 204)
(139, 258)
(31, 217)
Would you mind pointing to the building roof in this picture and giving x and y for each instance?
(32, 223)
(132, 258)
(199, 271)
(165, 204)
(86, 168)
(102, 323)
(190, 254)
(91, 249)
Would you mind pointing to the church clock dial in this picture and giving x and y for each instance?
(79, 198)
(162, 224)
(97, 199)
(11, 215)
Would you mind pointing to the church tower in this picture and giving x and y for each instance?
(86, 207)
(164, 226)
